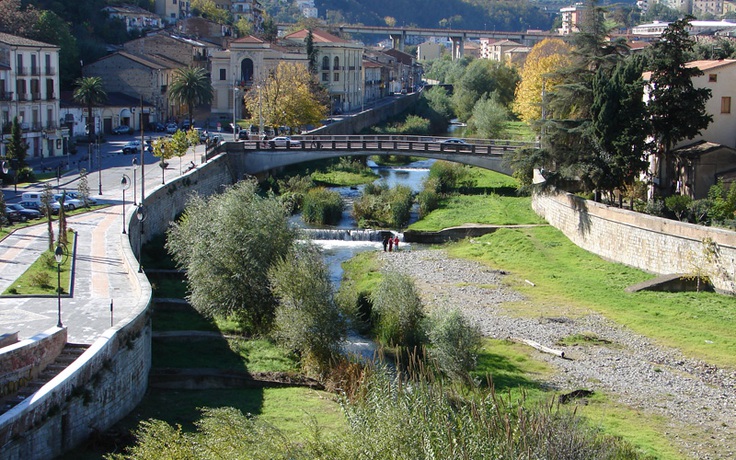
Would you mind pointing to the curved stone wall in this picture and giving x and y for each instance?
(98, 389)
(653, 244)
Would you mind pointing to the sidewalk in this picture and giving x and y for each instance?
(98, 279)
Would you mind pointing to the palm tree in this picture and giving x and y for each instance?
(89, 91)
(191, 86)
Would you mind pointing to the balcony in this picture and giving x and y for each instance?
(36, 96)
(6, 95)
(21, 71)
(50, 71)
(35, 71)
(22, 97)
(50, 96)
(51, 126)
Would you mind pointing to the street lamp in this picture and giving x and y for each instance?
(135, 168)
(235, 99)
(60, 256)
(125, 185)
(140, 213)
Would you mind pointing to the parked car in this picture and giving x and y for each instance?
(37, 205)
(13, 216)
(203, 134)
(453, 141)
(283, 141)
(243, 135)
(156, 127)
(69, 202)
(26, 212)
(131, 147)
(77, 196)
(171, 128)
(185, 125)
(122, 129)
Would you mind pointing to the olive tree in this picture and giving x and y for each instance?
(227, 244)
(308, 321)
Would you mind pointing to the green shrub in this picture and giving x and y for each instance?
(428, 200)
(40, 279)
(723, 202)
(397, 311)
(449, 176)
(322, 206)
(454, 343)
(679, 205)
(381, 206)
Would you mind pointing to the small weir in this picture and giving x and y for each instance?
(346, 234)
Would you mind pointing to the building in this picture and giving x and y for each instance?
(712, 7)
(249, 10)
(701, 161)
(429, 50)
(339, 67)
(572, 16)
(172, 10)
(29, 90)
(205, 30)
(241, 68)
(656, 28)
(134, 17)
(408, 74)
(307, 8)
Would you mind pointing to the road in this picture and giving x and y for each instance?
(99, 277)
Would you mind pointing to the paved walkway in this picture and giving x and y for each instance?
(99, 276)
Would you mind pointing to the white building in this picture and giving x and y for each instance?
(572, 16)
(134, 17)
(656, 28)
(29, 90)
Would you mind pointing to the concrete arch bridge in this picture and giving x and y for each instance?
(264, 155)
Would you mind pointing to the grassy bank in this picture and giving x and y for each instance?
(571, 281)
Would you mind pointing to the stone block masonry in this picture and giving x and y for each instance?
(23, 361)
(652, 244)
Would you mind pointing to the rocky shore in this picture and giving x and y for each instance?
(697, 400)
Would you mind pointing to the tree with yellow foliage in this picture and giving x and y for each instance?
(547, 56)
(285, 98)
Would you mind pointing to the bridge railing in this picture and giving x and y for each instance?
(375, 142)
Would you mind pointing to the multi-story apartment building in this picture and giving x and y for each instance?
(250, 10)
(572, 16)
(339, 67)
(134, 17)
(172, 10)
(29, 90)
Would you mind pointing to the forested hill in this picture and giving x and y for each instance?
(465, 14)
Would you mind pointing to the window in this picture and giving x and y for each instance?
(712, 78)
(726, 104)
(337, 64)
(336, 77)
(223, 74)
(325, 63)
(325, 76)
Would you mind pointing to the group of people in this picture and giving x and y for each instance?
(390, 243)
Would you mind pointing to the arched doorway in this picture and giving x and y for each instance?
(246, 71)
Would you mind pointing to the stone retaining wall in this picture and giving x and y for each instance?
(23, 361)
(646, 242)
(102, 386)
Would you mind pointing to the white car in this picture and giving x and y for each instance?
(77, 196)
(131, 147)
(69, 202)
(171, 128)
(284, 141)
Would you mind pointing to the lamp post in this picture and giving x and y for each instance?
(140, 213)
(60, 256)
(235, 99)
(125, 185)
(135, 169)
(99, 163)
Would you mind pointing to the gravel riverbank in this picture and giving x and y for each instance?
(697, 400)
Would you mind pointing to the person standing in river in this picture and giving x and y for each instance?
(396, 243)
(385, 242)
(390, 243)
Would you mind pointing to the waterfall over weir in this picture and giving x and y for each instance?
(348, 234)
